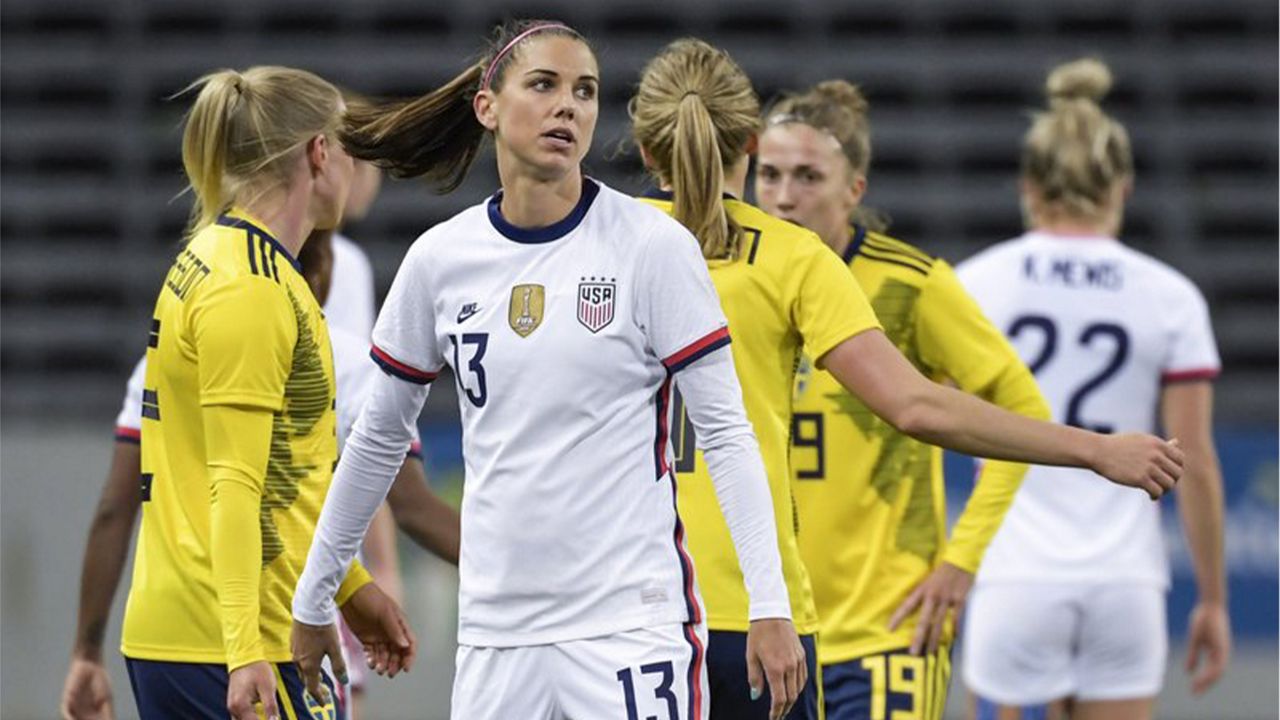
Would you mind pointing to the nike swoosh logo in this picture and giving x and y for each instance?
(466, 313)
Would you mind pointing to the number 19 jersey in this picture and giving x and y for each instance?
(563, 340)
(1103, 327)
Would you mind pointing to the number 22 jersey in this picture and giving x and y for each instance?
(1104, 328)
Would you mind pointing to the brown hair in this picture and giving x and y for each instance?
(694, 113)
(1075, 153)
(243, 129)
(437, 135)
(839, 109)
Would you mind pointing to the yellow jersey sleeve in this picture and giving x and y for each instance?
(818, 282)
(957, 339)
(245, 331)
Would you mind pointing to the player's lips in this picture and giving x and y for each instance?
(560, 137)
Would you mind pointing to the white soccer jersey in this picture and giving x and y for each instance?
(129, 420)
(354, 373)
(351, 304)
(1103, 327)
(564, 341)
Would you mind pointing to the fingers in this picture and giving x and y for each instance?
(907, 607)
(1173, 450)
(779, 699)
(338, 661)
(267, 695)
(755, 676)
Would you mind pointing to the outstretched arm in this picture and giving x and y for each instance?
(873, 369)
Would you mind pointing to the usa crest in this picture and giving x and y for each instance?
(525, 312)
(595, 304)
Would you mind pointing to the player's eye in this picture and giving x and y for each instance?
(811, 177)
(768, 173)
(586, 91)
(541, 84)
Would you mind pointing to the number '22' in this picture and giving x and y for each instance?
(1094, 331)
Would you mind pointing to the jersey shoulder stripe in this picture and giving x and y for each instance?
(697, 350)
(262, 251)
(874, 247)
(395, 368)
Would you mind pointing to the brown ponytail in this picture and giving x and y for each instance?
(436, 136)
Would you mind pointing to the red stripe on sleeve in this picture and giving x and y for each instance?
(692, 349)
(409, 371)
(1179, 376)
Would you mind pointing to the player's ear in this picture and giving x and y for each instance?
(317, 154)
(753, 144)
(486, 112)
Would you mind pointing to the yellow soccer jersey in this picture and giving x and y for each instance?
(871, 500)
(230, 271)
(786, 292)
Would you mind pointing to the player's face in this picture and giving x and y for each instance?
(544, 114)
(802, 176)
(365, 184)
(332, 172)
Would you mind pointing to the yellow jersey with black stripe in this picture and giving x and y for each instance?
(230, 270)
(870, 499)
(787, 292)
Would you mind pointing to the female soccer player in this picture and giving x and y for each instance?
(871, 499)
(1070, 600)
(416, 510)
(695, 117)
(237, 407)
(564, 309)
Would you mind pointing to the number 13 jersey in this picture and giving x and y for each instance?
(1104, 328)
(563, 340)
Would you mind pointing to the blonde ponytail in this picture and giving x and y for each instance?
(243, 129)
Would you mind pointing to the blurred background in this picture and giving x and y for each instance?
(90, 216)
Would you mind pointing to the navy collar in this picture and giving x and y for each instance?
(554, 231)
(859, 233)
(242, 224)
(668, 196)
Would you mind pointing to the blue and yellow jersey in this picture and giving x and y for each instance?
(787, 292)
(870, 499)
(230, 272)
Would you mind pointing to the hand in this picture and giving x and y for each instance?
(1140, 461)
(774, 653)
(380, 624)
(309, 644)
(250, 684)
(86, 694)
(945, 590)
(1208, 633)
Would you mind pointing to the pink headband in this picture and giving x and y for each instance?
(493, 66)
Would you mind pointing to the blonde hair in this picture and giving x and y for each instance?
(1074, 153)
(839, 109)
(694, 113)
(436, 135)
(245, 128)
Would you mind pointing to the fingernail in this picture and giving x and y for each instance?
(755, 694)
(342, 678)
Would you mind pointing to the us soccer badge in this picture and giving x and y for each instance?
(595, 303)
(524, 314)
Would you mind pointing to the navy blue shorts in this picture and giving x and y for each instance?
(727, 679)
(876, 686)
(198, 691)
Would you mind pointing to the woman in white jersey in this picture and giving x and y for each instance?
(1069, 607)
(564, 309)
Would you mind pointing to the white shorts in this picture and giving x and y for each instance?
(652, 672)
(1033, 643)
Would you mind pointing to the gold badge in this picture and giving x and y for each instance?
(525, 311)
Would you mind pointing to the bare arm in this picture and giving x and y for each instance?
(104, 554)
(422, 515)
(873, 370)
(1187, 412)
(381, 557)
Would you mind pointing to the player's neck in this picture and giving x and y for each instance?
(735, 178)
(533, 203)
(285, 216)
